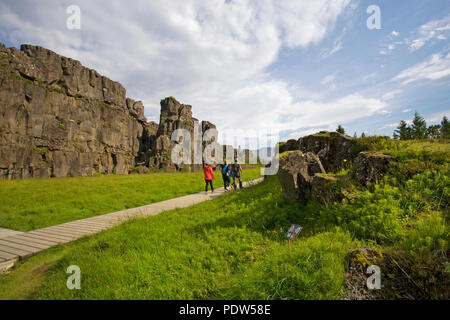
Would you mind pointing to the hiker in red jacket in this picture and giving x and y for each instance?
(209, 177)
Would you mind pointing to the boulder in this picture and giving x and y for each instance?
(294, 174)
(325, 189)
(333, 149)
(290, 145)
(371, 166)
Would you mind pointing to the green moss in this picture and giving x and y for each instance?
(287, 154)
(322, 134)
(25, 81)
(55, 89)
(377, 154)
(41, 149)
(327, 176)
(104, 104)
(62, 126)
(77, 147)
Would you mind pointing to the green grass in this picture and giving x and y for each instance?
(230, 248)
(36, 203)
(234, 248)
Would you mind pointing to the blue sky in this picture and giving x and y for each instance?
(363, 61)
(294, 67)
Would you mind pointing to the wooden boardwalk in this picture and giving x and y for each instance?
(21, 245)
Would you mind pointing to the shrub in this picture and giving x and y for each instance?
(428, 234)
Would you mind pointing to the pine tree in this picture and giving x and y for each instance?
(403, 131)
(445, 128)
(363, 135)
(419, 127)
(354, 135)
(434, 131)
(340, 129)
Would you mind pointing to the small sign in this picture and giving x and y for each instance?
(293, 232)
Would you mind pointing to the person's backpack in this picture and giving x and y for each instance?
(224, 170)
(235, 168)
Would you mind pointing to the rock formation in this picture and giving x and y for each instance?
(296, 174)
(333, 149)
(59, 118)
(371, 166)
(302, 173)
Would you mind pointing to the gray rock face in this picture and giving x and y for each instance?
(371, 166)
(324, 189)
(333, 149)
(296, 173)
(174, 115)
(59, 118)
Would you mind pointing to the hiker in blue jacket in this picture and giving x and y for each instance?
(236, 172)
(226, 175)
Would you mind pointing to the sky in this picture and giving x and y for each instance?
(293, 67)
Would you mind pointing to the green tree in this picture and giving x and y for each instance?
(419, 127)
(354, 135)
(403, 131)
(340, 129)
(445, 128)
(363, 135)
(434, 131)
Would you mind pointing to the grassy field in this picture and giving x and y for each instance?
(234, 248)
(228, 248)
(36, 203)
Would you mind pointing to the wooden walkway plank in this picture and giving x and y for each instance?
(72, 228)
(54, 233)
(30, 238)
(7, 256)
(27, 243)
(93, 224)
(19, 252)
(46, 237)
(63, 230)
(52, 236)
(19, 246)
(83, 226)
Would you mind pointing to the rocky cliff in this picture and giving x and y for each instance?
(59, 118)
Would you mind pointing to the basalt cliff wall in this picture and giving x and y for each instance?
(59, 118)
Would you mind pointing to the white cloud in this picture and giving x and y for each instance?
(436, 67)
(437, 117)
(391, 94)
(390, 125)
(406, 110)
(395, 125)
(328, 79)
(211, 54)
(329, 52)
(434, 29)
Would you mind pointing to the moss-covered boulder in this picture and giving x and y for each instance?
(296, 171)
(335, 150)
(371, 166)
(325, 189)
